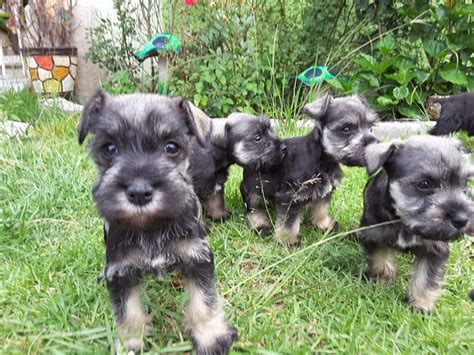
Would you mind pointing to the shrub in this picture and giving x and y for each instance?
(437, 58)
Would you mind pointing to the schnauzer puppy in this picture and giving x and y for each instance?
(152, 215)
(422, 189)
(452, 113)
(311, 170)
(243, 139)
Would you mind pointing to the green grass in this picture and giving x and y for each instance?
(282, 301)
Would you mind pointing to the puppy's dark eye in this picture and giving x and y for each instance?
(109, 150)
(346, 129)
(424, 185)
(258, 138)
(171, 148)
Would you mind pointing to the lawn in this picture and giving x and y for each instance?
(306, 300)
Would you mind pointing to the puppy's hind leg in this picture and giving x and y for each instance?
(288, 223)
(215, 205)
(210, 333)
(425, 287)
(131, 319)
(320, 214)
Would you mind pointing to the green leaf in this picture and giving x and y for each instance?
(386, 45)
(222, 79)
(421, 76)
(365, 61)
(442, 14)
(371, 79)
(360, 85)
(411, 111)
(337, 84)
(252, 87)
(435, 49)
(464, 10)
(400, 92)
(470, 84)
(197, 99)
(381, 67)
(403, 76)
(451, 73)
(199, 87)
(207, 77)
(386, 101)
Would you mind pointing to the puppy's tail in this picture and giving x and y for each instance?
(471, 294)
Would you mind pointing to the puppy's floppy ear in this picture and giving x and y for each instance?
(91, 112)
(198, 122)
(220, 132)
(376, 155)
(318, 108)
(221, 128)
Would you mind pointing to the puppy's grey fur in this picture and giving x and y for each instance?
(452, 113)
(422, 184)
(242, 139)
(141, 146)
(311, 170)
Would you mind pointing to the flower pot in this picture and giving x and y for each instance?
(52, 70)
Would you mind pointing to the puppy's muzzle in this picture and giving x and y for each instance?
(139, 192)
(458, 219)
(369, 139)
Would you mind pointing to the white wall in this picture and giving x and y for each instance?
(88, 75)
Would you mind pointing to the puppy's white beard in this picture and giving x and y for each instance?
(142, 213)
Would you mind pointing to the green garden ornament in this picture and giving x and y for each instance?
(162, 43)
(315, 75)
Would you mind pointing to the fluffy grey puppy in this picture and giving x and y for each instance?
(311, 169)
(422, 189)
(241, 139)
(141, 146)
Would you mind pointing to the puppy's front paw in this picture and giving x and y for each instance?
(325, 224)
(220, 216)
(420, 306)
(387, 276)
(287, 237)
(294, 244)
(129, 345)
(220, 346)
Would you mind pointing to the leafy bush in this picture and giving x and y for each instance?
(240, 56)
(114, 41)
(120, 83)
(236, 55)
(397, 80)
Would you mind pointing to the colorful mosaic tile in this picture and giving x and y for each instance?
(53, 73)
(34, 74)
(59, 73)
(52, 85)
(44, 61)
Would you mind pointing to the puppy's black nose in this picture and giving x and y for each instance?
(459, 219)
(139, 192)
(370, 140)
